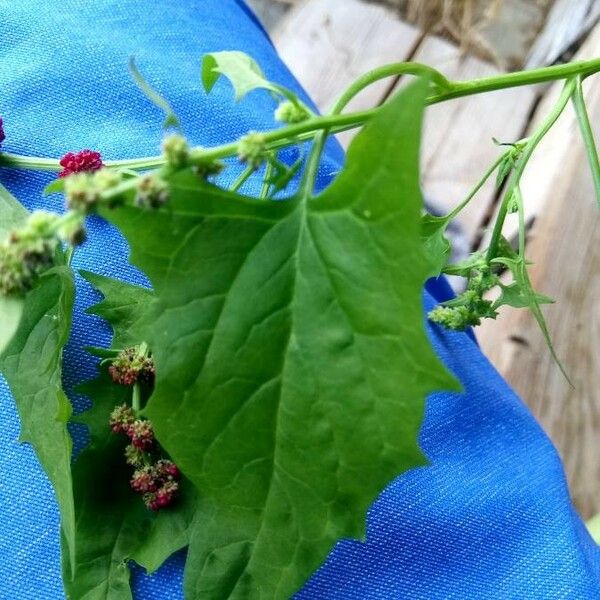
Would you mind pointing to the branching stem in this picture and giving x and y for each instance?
(316, 127)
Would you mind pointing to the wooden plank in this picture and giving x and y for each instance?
(458, 146)
(328, 44)
(565, 248)
(566, 23)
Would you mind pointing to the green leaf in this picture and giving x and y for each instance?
(171, 119)
(113, 525)
(56, 186)
(435, 243)
(242, 71)
(32, 366)
(514, 295)
(12, 214)
(292, 360)
(523, 295)
(123, 306)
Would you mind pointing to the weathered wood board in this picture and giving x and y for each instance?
(564, 246)
(328, 44)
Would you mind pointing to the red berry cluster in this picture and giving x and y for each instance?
(156, 480)
(79, 162)
(132, 366)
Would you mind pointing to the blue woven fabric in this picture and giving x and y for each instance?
(491, 516)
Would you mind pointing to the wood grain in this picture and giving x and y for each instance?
(328, 44)
(567, 22)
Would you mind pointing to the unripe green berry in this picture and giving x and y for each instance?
(290, 113)
(176, 151)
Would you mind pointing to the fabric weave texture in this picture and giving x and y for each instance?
(489, 518)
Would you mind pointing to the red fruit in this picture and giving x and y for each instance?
(78, 162)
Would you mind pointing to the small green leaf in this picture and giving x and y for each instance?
(32, 366)
(171, 119)
(436, 245)
(12, 212)
(524, 295)
(57, 186)
(292, 360)
(242, 71)
(514, 295)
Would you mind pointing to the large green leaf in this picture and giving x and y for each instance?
(112, 524)
(12, 214)
(32, 366)
(292, 360)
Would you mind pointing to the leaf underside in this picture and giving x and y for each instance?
(292, 360)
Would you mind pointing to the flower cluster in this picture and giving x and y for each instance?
(156, 479)
(132, 365)
(468, 308)
(2, 136)
(27, 253)
(83, 191)
(80, 162)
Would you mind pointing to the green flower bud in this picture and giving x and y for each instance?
(252, 149)
(152, 191)
(176, 151)
(290, 113)
(81, 192)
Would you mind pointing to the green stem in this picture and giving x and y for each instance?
(587, 134)
(478, 186)
(459, 89)
(528, 150)
(244, 176)
(266, 186)
(136, 398)
(338, 122)
(391, 70)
